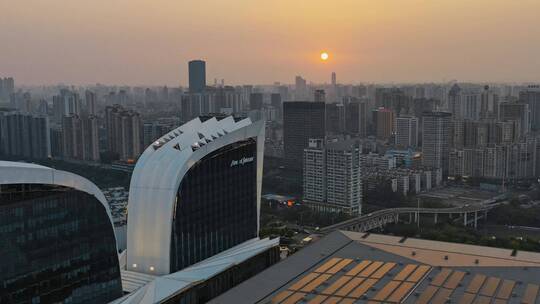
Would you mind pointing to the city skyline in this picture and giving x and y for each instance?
(367, 41)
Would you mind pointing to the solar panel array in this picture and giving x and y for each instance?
(346, 281)
(341, 280)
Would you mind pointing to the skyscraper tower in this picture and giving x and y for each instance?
(334, 82)
(197, 76)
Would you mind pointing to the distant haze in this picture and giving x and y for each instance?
(244, 41)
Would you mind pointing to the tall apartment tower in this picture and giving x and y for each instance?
(80, 137)
(531, 96)
(436, 140)
(314, 181)
(197, 76)
(91, 102)
(123, 132)
(302, 120)
(332, 176)
(407, 131)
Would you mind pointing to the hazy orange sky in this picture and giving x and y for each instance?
(255, 41)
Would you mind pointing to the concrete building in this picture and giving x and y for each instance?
(356, 117)
(80, 138)
(331, 176)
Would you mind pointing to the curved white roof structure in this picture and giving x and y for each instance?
(25, 173)
(157, 176)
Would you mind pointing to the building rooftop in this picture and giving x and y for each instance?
(352, 267)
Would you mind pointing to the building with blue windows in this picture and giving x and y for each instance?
(57, 243)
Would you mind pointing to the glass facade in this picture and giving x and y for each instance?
(57, 246)
(216, 206)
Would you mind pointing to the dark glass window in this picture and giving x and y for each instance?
(57, 246)
(216, 205)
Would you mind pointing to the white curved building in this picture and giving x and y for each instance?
(195, 193)
(25, 173)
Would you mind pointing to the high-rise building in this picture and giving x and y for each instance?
(302, 120)
(80, 137)
(471, 105)
(436, 140)
(335, 118)
(531, 96)
(300, 88)
(7, 87)
(24, 135)
(454, 102)
(319, 96)
(58, 242)
(91, 102)
(356, 117)
(203, 181)
(518, 112)
(332, 176)
(67, 103)
(314, 173)
(256, 101)
(123, 132)
(407, 131)
(197, 76)
(383, 119)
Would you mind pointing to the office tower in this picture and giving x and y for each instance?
(407, 131)
(436, 140)
(300, 88)
(335, 118)
(517, 112)
(204, 180)
(91, 102)
(63, 249)
(123, 132)
(356, 117)
(256, 101)
(24, 135)
(383, 119)
(302, 120)
(332, 176)
(531, 96)
(57, 142)
(197, 76)
(320, 96)
(314, 173)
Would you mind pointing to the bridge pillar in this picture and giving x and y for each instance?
(416, 217)
(450, 215)
(465, 219)
(410, 218)
(435, 218)
(475, 219)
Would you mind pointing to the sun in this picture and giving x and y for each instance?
(324, 56)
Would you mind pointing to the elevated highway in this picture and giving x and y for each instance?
(470, 213)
